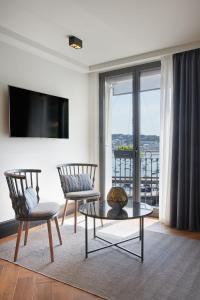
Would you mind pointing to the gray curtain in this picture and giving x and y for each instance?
(185, 179)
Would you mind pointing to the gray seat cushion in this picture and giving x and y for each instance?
(82, 195)
(43, 211)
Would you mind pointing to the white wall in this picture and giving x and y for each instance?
(94, 117)
(94, 121)
(24, 70)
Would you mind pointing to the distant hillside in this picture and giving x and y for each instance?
(129, 137)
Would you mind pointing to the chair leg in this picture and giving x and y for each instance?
(26, 233)
(50, 240)
(20, 228)
(58, 230)
(75, 216)
(64, 212)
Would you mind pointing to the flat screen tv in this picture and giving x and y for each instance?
(34, 114)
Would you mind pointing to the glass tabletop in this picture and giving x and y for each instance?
(101, 210)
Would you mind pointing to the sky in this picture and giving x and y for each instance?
(149, 113)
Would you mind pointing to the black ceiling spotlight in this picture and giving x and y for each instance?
(75, 42)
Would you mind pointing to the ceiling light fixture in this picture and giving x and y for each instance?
(75, 42)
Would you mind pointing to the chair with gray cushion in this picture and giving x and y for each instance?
(24, 193)
(77, 182)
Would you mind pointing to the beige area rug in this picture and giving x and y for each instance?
(171, 267)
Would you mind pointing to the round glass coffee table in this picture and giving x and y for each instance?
(101, 210)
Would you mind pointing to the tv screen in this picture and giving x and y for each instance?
(34, 114)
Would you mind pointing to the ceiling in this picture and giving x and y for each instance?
(110, 29)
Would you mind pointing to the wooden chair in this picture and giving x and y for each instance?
(73, 169)
(24, 193)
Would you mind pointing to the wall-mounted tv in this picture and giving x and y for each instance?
(34, 114)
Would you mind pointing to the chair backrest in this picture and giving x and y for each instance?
(77, 169)
(18, 182)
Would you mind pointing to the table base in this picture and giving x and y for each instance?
(140, 236)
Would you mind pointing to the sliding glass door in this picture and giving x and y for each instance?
(149, 97)
(121, 131)
(129, 131)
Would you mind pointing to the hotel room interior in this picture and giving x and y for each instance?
(100, 149)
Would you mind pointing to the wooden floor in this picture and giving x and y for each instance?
(18, 283)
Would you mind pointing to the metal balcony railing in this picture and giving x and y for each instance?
(122, 174)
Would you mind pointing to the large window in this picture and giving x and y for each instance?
(130, 131)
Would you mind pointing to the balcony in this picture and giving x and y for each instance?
(122, 174)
